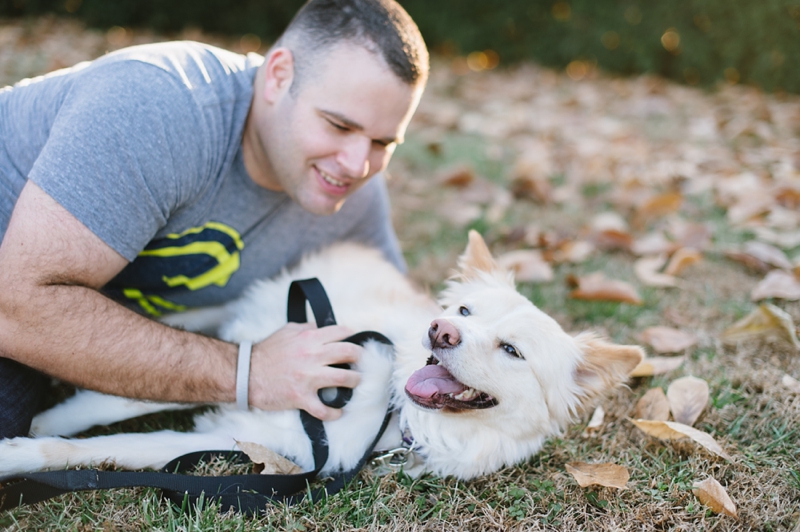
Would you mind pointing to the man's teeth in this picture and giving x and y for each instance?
(331, 180)
(467, 395)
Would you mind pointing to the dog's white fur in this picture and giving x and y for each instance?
(537, 395)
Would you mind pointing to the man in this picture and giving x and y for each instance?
(170, 176)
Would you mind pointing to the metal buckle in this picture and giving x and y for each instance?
(392, 461)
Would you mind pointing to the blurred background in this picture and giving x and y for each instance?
(695, 42)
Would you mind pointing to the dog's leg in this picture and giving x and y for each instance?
(130, 451)
(86, 409)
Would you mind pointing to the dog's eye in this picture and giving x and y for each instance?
(464, 311)
(511, 350)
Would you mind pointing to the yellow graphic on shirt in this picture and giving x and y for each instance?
(194, 259)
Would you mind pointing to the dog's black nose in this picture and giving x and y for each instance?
(443, 335)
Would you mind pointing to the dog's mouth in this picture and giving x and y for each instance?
(435, 388)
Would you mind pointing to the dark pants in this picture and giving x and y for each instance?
(21, 391)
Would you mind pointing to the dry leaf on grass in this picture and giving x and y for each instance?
(597, 287)
(608, 475)
(574, 251)
(272, 462)
(668, 340)
(528, 265)
(610, 239)
(791, 383)
(712, 494)
(657, 366)
(457, 176)
(681, 259)
(596, 421)
(765, 321)
(653, 244)
(767, 253)
(688, 397)
(671, 430)
(647, 269)
(657, 206)
(653, 406)
(779, 284)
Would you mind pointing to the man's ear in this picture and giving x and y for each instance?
(278, 74)
(604, 365)
(476, 258)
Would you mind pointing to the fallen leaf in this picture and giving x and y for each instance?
(528, 265)
(681, 259)
(574, 251)
(688, 397)
(597, 287)
(767, 253)
(647, 270)
(712, 494)
(653, 244)
(608, 475)
(779, 284)
(791, 383)
(610, 239)
(765, 321)
(657, 366)
(692, 235)
(657, 206)
(671, 430)
(653, 406)
(608, 221)
(668, 340)
(752, 263)
(596, 420)
(272, 462)
(457, 176)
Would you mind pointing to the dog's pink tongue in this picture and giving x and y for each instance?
(432, 379)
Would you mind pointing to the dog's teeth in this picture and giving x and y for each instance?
(466, 395)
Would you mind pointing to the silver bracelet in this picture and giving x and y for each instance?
(243, 376)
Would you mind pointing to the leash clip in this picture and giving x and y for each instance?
(392, 461)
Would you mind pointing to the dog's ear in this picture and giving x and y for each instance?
(604, 365)
(476, 258)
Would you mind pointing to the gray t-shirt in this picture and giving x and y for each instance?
(143, 146)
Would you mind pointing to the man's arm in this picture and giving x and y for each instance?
(52, 318)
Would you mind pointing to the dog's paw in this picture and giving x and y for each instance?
(20, 455)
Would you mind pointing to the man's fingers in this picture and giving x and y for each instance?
(336, 377)
(333, 333)
(342, 352)
(325, 413)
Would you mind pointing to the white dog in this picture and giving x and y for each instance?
(492, 378)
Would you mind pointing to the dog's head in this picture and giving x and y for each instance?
(495, 356)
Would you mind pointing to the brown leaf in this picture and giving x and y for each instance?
(608, 475)
(528, 265)
(597, 287)
(778, 284)
(653, 244)
(671, 430)
(609, 239)
(712, 494)
(647, 270)
(765, 321)
(749, 261)
(791, 383)
(574, 251)
(688, 397)
(657, 366)
(681, 259)
(668, 340)
(596, 421)
(657, 206)
(768, 254)
(693, 235)
(273, 462)
(457, 176)
(653, 406)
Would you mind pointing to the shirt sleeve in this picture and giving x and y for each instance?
(125, 150)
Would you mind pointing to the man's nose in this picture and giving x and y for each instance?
(354, 156)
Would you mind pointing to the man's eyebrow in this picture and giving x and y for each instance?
(358, 127)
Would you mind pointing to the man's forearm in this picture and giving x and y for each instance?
(78, 335)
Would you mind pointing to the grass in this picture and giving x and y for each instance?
(749, 413)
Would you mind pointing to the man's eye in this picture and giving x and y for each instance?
(464, 311)
(511, 350)
(338, 126)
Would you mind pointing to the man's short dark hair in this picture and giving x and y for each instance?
(381, 26)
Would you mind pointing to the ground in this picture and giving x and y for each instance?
(576, 171)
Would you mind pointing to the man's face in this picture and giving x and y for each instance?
(338, 129)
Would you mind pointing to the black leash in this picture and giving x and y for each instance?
(247, 494)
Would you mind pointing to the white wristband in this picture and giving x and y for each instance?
(243, 376)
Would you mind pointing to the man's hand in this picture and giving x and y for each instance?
(289, 367)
